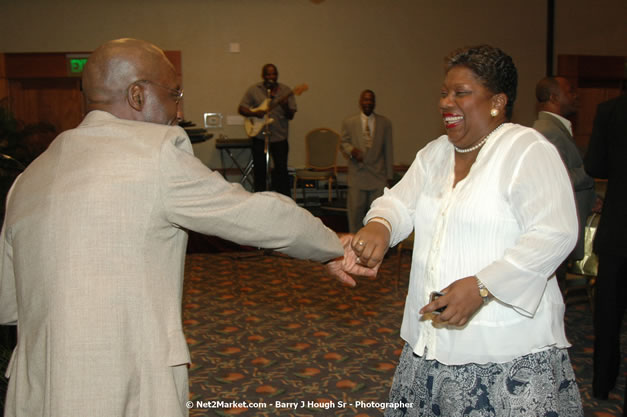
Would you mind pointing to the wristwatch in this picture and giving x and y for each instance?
(483, 291)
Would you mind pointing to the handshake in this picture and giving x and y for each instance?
(363, 254)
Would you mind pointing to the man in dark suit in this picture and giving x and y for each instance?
(557, 101)
(606, 159)
(367, 144)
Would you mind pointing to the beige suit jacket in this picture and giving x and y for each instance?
(93, 250)
(378, 164)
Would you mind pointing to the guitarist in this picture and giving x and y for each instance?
(278, 129)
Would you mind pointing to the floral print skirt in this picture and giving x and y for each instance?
(539, 384)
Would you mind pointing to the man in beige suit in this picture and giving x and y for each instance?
(367, 145)
(93, 247)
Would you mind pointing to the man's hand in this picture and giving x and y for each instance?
(357, 155)
(341, 267)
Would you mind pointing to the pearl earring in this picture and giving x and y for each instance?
(494, 112)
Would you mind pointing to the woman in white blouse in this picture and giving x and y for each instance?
(493, 213)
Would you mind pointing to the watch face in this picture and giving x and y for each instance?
(483, 292)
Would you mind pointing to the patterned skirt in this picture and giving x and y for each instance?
(535, 385)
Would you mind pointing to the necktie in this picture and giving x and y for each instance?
(367, 137)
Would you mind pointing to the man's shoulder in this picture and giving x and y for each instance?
(382, 119)
(548, 125)
(616, 106)
(257, 87)
(351, 119)
(546, 119)
(614, 102)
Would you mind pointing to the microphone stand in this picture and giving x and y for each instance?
(266, 136)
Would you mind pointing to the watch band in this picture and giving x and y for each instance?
(483, 292)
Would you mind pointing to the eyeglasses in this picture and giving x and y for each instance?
(177, 94)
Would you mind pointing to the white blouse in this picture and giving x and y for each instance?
(510, 222)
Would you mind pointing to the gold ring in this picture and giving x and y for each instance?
(361, 243)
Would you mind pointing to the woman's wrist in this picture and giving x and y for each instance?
(383, 222)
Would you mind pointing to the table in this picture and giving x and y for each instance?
(234, 148)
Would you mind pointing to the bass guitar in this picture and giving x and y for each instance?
(254, 125)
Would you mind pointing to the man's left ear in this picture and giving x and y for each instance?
(135, 97)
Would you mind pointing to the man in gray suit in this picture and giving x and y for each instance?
(557, 101)
(93, 247)
(367, 145)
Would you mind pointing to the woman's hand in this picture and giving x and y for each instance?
(371, 243)
(461, 300)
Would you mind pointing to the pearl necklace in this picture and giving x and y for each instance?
(480, 144)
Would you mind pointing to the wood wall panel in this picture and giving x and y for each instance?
(57, 102)
(38, 88)
(4, 83)
(597, 79)
(36, 65)
(54, 65)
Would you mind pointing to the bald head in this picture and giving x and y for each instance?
(112, 69)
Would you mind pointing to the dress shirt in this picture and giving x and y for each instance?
(507, 224)
(367, 120)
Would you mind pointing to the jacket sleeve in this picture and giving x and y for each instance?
(199, 199)
(8, 292)
(346, 145)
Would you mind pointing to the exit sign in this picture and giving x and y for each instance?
(76, 64)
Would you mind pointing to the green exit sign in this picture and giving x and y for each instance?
(76, 63)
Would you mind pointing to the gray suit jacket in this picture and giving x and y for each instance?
(93, 251)
(583, 184)
(378, 164)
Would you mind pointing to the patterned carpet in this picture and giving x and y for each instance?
(280, 331)
(267, 330)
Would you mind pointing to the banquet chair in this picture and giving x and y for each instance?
(322, 147)
(581, 275)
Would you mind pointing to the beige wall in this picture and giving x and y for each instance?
(339, 47)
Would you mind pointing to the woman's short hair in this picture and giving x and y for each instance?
(493, 67)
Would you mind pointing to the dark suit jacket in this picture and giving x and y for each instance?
(583, 185)
(607, 158)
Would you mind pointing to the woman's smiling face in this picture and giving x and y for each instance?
(465, 105)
